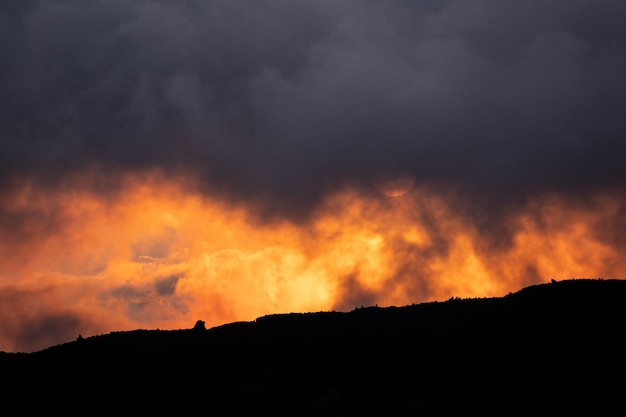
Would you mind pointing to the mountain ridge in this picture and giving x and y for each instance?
(548, 349)
(544, 292)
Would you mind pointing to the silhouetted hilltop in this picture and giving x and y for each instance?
(550, 349)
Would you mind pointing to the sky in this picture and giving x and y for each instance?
(167, 161)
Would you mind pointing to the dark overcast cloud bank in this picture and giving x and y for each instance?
(291, 99)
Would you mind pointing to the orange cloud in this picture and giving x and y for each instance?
(154, 254)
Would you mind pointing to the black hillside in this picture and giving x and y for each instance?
(551, 349)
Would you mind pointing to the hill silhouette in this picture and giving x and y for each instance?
(550, 349)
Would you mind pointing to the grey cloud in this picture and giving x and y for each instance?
(166, 286)
(150, 301)
(283, 101)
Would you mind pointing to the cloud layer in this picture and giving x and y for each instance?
(285, 101)
(165, 161)
(158, 256)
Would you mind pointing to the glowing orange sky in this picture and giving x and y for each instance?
(156, 256)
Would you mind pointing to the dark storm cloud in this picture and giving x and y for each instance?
(285, 100)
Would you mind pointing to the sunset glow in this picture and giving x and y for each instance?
(156, 255)
(163, 162)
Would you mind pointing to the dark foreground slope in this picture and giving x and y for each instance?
(553, 349)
